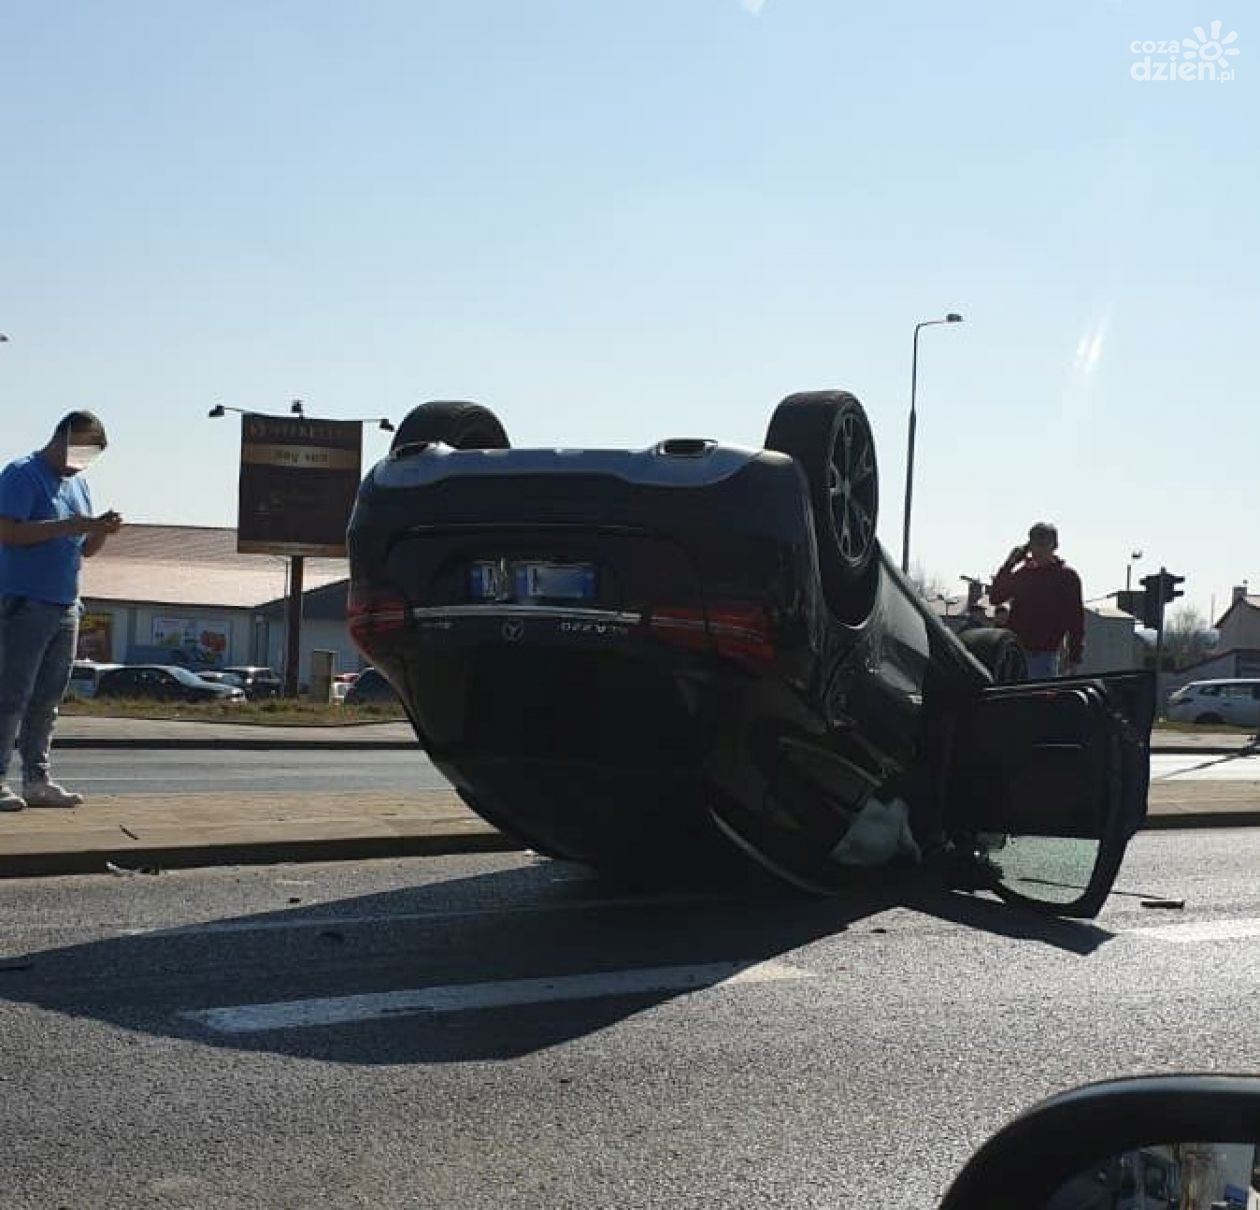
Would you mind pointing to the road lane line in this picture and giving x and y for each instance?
(461, 997)
(1197, 931)
(298, 919)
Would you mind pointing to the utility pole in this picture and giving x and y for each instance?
(293, 626)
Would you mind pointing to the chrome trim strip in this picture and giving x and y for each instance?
(496, 610)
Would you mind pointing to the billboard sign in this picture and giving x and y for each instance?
(298, 482)
(199, 642)
(96, 638)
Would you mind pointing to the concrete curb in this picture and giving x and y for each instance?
(243, 744)
(266, 852)
(251, 744)
(365, 848)
(1203, 819)
(1202, 750)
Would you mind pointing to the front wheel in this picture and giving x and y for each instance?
(1210, 720)
(462, 426)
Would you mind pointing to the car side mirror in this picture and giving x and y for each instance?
(1157, 1141)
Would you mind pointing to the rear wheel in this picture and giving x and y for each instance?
(999, 651)
(1210, 719)
(462, 426)
(829, 437)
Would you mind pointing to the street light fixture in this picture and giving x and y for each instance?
(1128, 570)
(221, 409)
(951, 318)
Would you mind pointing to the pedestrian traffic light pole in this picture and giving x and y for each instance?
(1159, 590)
(1159, 660)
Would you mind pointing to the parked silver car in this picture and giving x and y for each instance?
(1235, 702)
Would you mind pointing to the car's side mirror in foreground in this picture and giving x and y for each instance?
(1185, 1142)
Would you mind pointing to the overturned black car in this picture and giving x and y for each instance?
(632, 659)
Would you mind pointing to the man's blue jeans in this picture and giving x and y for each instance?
(37, 646)
(1042, 665)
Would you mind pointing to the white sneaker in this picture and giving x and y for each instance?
(9, 801)
(49, 794)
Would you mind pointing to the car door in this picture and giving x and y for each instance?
(116, 684)
(1238, 704)
(164, 686)
(1048, 783)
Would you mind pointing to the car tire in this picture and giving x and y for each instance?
(1210, 720)
(999, 651)
(462, 426)
(829, 437)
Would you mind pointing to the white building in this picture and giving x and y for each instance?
(172, 591)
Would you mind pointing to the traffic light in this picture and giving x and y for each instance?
(1168, 586)
(1160, 589)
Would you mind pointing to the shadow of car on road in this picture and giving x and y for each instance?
(537, 922)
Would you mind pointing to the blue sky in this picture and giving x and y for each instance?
(619, 221)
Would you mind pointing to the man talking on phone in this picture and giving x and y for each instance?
(46, 531)
(1047, 609)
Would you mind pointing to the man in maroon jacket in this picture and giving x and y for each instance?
(1046, 603)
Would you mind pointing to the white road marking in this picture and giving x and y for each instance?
(461, 997)
(1197, 931)
(296, 918)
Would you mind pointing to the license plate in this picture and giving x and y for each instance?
(554, 581)
(528, 581)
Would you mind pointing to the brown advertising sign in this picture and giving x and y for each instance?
(298, 482)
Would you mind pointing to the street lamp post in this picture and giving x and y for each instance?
(1128, 571)
(952, 318)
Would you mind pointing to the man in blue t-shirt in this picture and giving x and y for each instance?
(46, 531)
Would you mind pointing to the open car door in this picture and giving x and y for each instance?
(1048, 782)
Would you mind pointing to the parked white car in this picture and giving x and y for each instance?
(85, 676)
(1236, 702)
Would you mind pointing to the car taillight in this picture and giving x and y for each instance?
(738, 632)
(374, 617)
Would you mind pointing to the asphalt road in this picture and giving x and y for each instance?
(149, 771)
(496, 1031)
